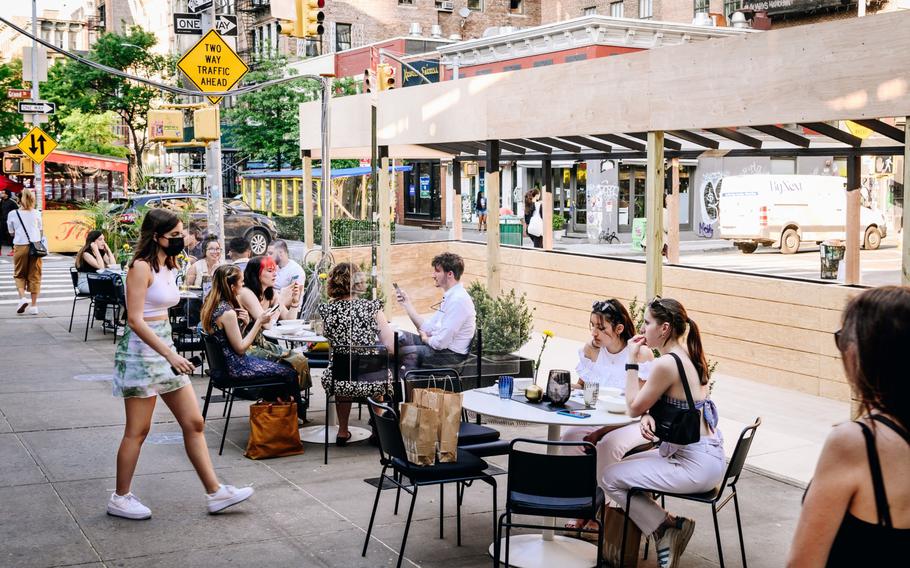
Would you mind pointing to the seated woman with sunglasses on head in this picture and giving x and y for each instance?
(603, 360)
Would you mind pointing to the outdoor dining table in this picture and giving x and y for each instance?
(316, 434)
(546, 549)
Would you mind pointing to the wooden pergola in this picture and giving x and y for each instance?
(774, 93)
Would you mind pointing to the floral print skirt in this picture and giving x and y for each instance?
(139, 370)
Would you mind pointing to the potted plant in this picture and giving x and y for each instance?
(559, 222)
(505, 324)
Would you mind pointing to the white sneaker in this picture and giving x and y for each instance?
(226, 496)
(128, 507)
(33, 310)
(22, 304)
(672, 544)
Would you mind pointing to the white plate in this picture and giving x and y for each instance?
(295, 323)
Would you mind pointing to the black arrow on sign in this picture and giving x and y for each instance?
(41, 139)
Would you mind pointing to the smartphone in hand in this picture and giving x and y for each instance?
(397, 290)
(195, 360)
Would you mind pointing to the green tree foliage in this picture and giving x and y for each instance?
(11, 124)
(506, 321)
(264, 123)
(91, 133)
(74, 86)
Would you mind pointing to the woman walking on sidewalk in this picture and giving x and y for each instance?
(147, 366)
(25, 226)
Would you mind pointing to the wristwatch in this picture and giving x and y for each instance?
(631, 366)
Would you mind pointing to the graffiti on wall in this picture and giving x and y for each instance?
(600, 208)
(709, 200)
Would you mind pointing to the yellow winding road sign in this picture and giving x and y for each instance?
(37, 144)
(212, 65)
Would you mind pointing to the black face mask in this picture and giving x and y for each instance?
(174, 246)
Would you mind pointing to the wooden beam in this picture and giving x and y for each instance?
(905, 256)
(654, 206)
(307, 191)
(834, 133)
(737, 137)
(590, 143)
(514, 148)
(851, 255)
(673, 214)
(531, 145)
(384, 207)
(556, 143)
(883, 128)
(457, 199)
(695, 138)
(783, 134)
(620, 141)
(494, 269)
(448, 148)
(668, 144)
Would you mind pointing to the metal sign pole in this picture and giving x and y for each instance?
(326, 168)
(213, 173)
(39, 168)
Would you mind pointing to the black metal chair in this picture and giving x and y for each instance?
(184, 319)
(463, 472)
(77, 295)
(562, 486)
(355, 361)
(219, 378)
(105, 290)
(713, 497)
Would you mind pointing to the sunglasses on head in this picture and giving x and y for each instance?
(605, 307)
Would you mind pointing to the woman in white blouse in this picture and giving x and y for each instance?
(603, 360)
(206, 265)
(24, 224)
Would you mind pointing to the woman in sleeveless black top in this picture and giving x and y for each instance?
(847, 517)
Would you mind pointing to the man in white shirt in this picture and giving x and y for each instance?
(288, 270)
(445, 337)
(239, 251)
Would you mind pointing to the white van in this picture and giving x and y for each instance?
(782, 211)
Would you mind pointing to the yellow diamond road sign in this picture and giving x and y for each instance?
(37, 144)
(212, 65)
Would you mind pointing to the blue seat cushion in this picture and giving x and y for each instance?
(577, 507)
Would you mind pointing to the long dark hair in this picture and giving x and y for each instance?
(612, 312)
(668, 310)
(529, 198)
(251, 279)
(877, 322)
(223, 280)
(478, 204)
(156, 224)
(89, 239)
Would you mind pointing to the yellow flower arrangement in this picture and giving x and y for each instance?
(323, 275)
(547, 334)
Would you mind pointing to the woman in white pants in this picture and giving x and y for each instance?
(690, 468)
(602, 360)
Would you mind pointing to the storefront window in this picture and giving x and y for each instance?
(581, 195)
(421, 190)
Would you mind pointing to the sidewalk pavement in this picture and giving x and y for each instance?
(60, 426)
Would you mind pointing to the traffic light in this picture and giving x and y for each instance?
(308, 19)
(385, 76)
(369, 84)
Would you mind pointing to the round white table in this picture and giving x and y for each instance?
(546, 549)
(316, 434)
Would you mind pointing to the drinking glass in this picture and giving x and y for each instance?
(592, 391)
(506, 384)
(559, 386)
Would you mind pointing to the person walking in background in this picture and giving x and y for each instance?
(480, 207)
(856, 511)
(7, 205)
(146, 366)
(289, 271)
(534, 217)
(24, 224)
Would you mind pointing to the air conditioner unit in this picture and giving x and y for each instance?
(446, 6)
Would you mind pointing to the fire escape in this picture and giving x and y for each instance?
(249, 12)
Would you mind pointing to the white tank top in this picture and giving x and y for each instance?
(162, 294)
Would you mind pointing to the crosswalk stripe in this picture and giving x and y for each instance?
(42, 299)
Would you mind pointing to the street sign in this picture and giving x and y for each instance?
(187, 24)
(37, 107)
(191, 24)
(226, 25)
(199, 5)
(18, 93)
(37, 145)
(212, 65)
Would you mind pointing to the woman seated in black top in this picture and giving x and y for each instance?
(94, 255)
(856, 511)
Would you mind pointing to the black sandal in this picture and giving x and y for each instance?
(339, 441)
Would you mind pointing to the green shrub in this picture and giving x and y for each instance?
(558, 222)
(505, 321)
(291, 228)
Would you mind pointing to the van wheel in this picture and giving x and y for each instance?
(789, 241)
(747, 248)
(873, 239)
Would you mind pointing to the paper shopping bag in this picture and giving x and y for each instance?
(419, 427)
(447, 405)
(613, 539)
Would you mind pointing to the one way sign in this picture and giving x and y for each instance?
(37, 145)
(191, 24)
(37, 107)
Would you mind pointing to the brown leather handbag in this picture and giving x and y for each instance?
(273, 431)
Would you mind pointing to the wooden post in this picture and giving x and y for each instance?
(905, 258)
(673, 214)
(547, 199)
(295, 197)
(456, 201)
(492, 187)
(307, 184)
(363, 198)
(383, 193)
(262, 195)
(654, 201)
(851, 255)
(273, 190)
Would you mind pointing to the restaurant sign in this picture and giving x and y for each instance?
(778, 7)
(429, 69)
